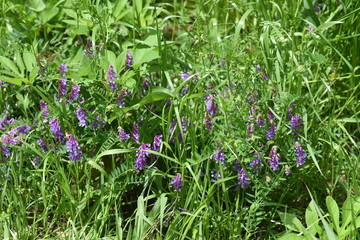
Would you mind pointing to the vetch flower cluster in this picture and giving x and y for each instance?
(81, 116)
(177, 182)
(141, 156)
(274, 158)
(111, 76)
(73, 148)
(300, 153)
(56, 130)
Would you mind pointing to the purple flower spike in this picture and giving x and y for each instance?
(56, 130)
(243, 179)
(89, 48)
(177, 182)
(274, 158)
(63, 69)
(81, 116)
(42, 145)
(208, 123)
(135, 135)
(220, 156)
(271, 132)
(122, 134)
(5, 150)
(129, 59)
(210, 106)
(111, 75)
(257, 160)
(260, 121)
(296, 122)
(270, 116)
(157, 143)
(73, 148)
(44, 108)
(122, 94)
(301, 155)
(141, 155)
(310, 28)
(62, 88)
(74, 94)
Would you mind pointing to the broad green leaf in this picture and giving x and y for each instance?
(37, 5)
(97, 166)
(333, 211)
(350, 209)
(19, 62)
(144, 55)
(111, 57)
(292, 223)
(71, 13)
(48, 14)
(16, 81)
(118, 9)
(5, 62)
(29, 60)
(291, 236)
(311, 218)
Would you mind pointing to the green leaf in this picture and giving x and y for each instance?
(37, 5)
(16, 81)
(311, 218)
(144, 55)
(333, 211)
(29, 60)
(350, 209)
(9, 64)
(290, 236)
(48, 14)
(113, 152)
(292, 223)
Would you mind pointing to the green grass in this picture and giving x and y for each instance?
(218, 44)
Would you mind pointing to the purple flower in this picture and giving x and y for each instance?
(157, 143)
(23, 129)
(36, 161)
(256, 161)
(271, 132)
(210, 106)
(258, 68)
(42, 145)
(89, 48)
(146, 83)
(56, 130)
(260, 121)
(62, 88)
(270, 116)
(215, 175)
(135, 135)
(44, 108)
(73, 148)
(184, 75)
(111, 75)
(129, 60)
(291, 110)
(274, 158)
(81, 116)
(222, 61)
(243, 179)
(183, 124)
(296, 122)
(301, 155)
(74, 94)
(123, 135)
(63, 69)
(141, 155)
(5, 150)
(250, 128)
(208, 123)
(177, 182)
(310, 28)
(220, 156)
(122, 94)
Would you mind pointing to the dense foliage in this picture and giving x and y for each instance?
(183, 120)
